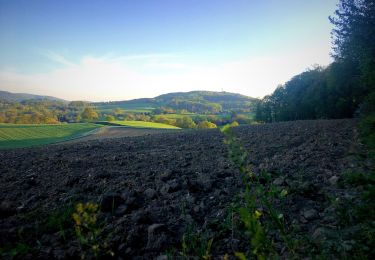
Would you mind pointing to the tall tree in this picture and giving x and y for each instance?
(346, 85)
(354, 37)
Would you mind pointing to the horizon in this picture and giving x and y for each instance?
(122, 50)
(177, 92)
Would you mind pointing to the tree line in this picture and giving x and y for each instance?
(39, 112)
(345, 88)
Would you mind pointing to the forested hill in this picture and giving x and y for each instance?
(226, 100)
(18, 97)
(193, 101)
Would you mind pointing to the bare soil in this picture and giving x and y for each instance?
(118, 131)
(151, 188)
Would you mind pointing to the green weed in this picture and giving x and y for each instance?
(258, 212)
(196, 244)
(355, 237)
(88, 230)
(18, 250)
(60, 220)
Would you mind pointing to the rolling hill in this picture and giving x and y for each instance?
(193, 101)
(17, 97)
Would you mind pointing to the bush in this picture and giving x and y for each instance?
(206, 125)
(185, 122)
(110, 118)
(165, 120)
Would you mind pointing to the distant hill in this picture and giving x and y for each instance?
(226, 100)
(212, 96)
(17, 97)
(193, 101)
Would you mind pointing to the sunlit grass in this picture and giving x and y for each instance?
(143, 124)
(15, 136)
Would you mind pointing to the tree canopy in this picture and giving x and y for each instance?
(185, 122)
(205, 125)
(343, 89)
(89, 114)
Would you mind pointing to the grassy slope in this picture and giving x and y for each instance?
(142, 124)
(196, 116)
(175, 116)
(15, 136)
(140, 107)
(192, 115)
(134, 110)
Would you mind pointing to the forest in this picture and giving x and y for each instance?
(41, 111)
(345, 88)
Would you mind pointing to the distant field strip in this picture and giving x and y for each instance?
(143, 124)
(14, 136)
(175, 116)
(135, 110)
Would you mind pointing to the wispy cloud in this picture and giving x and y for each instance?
(148, 56)
(116, 78)
(53, 56)
(166, 65)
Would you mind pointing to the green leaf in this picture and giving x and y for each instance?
(240, 255)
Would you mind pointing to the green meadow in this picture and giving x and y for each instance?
(175, 116)
(16, 136)
(194, 116)
(143, 124)
(138, 107)
(135, 110)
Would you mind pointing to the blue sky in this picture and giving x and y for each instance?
(114, 50)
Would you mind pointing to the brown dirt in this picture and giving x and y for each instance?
(117, 132)
(172, 179)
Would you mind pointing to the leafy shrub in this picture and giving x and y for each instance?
(88, 230)
(185, 122)
(206, 125)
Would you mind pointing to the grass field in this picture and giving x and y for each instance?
(138, 107)
(143, 124)
(134, 111)
(175, 116)
(16, 136)
(194, 115)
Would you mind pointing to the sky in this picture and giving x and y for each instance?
(102, 50)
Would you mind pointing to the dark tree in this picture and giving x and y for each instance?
(343, 89)
(354, 38)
